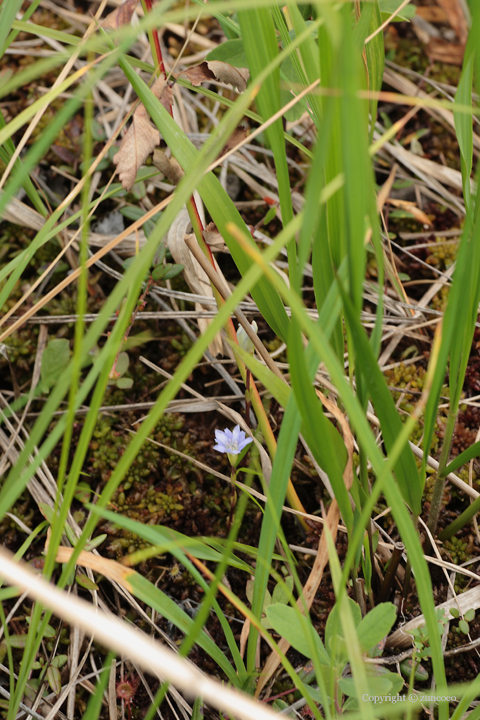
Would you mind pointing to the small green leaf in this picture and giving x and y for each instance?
(59, 661)
(49, 632)
(17, 641)
(381, 685)
(172, 270)
(124, 383)
(83, 492)
(85, 582)
(91, 544)
(463, 625)
(420, 674)
(167, 271)
(280, 594)
(54, 361)
(270, 215)
(470, 615)
(454, 612)
(123, 361)
(54, 679)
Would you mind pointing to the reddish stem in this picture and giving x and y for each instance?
(156, 42)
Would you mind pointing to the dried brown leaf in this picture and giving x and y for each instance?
(218, 70)
(198, 74)
(442, 51)
(121, 16)
(213, 238)
(168, 166)
(192, 271)
(238, 135)
(228, 74)
(456, 17)
(432, 14)
(141, 137)
(412, 208)
(162, 90)
(138, 143)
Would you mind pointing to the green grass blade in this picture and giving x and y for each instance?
(258, 33)
(463, 122)
(406, 470)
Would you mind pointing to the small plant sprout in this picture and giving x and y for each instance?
(231, 442)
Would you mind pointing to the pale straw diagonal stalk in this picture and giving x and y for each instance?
(117, 635)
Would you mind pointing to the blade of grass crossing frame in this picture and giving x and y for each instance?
(296, 59)
(261, 47)
(459, 322)
(6, 153)
(454, 318)
(375, 54)
(8, 13)
(329, 51)
(356, 161)
(463, 121)
(310, 60)
(406, 469)
(322, 437)
(282, 464)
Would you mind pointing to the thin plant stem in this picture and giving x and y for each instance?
(439, 485)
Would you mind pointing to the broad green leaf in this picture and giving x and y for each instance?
(231, 52)
(290, 624)
(376, 625)
(379, 686)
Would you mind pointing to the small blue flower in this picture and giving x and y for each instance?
(231, 442)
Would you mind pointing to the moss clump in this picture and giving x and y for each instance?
(108, 444)
(457, 550)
